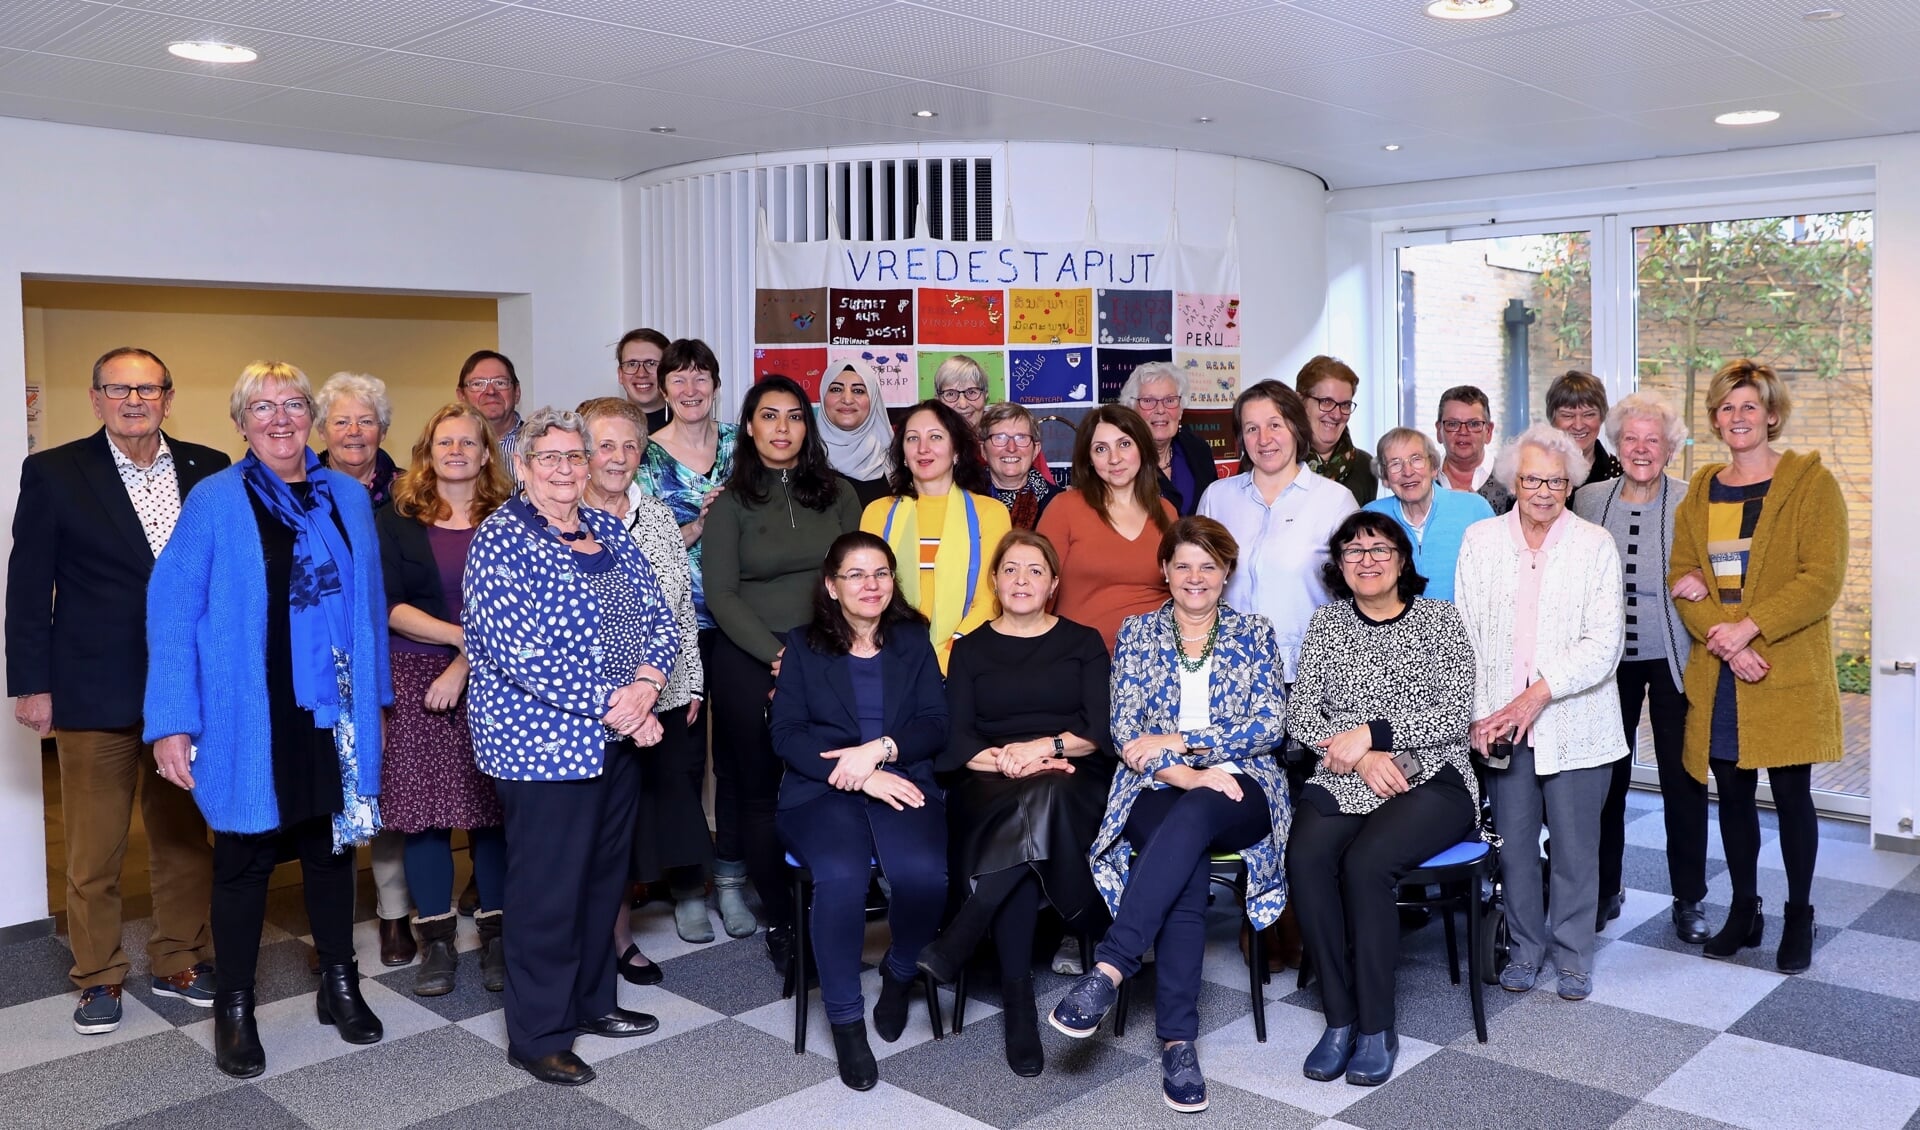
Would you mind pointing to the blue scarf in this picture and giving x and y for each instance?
(320, 606)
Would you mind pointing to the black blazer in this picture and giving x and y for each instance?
(1194, 452)
(406, 560)
(75, 532)
(813, 711)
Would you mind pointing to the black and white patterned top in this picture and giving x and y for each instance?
(155, 491)
(1409, 679)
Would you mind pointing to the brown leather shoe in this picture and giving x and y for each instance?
(397, 946)
(563, 1069)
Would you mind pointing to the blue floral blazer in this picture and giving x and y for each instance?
(1248, 706)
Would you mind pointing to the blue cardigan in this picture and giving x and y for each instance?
(813, 711)
(1436, 549)
(207, 642)
(538, 689)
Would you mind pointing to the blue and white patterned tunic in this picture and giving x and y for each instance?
(1248, 708)
(541, 676)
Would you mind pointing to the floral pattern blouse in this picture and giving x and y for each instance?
(1247, 706)
(652, 528)
(683, 489)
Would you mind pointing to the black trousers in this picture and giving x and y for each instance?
(567, 844)
(1683, 799)
(747, 774)
(670, 838)
(1740, 826)
(1344, 874)
(242, 864)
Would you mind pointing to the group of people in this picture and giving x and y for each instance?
(917, 650)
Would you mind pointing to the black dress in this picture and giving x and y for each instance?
(306, 767)
(1004, 689)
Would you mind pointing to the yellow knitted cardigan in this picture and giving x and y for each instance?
(1794, 576)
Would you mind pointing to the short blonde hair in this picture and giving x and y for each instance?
(1647, 406)
(1543, 437)
(364, 387)
(255, 377)
(1765, 383)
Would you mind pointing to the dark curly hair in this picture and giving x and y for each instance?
(814, 483)
(1410, 584)
(969, 464)
(829, 633)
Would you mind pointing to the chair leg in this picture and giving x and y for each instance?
(1120, 1006)
(960, 1001)
(1086, 951)
(802, 946)
(1453, 945)
(1474, 988)
(1256, 980)
(933, 1007)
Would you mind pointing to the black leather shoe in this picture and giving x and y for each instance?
(621, 1023)
(1609, 910)
(562, 1069)
(850, 1047)
(648, 974)
(1373, 1056)
(941, 961)
(340, 1004)
(236, 1041)
(1328, 1059)
(780, 947)
(1690, 922)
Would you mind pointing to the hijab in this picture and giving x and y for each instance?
(861, 454)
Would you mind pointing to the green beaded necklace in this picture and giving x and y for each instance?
(1191, 666)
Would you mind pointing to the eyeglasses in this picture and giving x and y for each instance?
(489, 384)
(1329, 404)
(549, 460)
(1471, 427)
(1416, 462)
(1015, 440)
(956, 395)
(1153, 402)
(1535, 482)
(264, 410)
(1355, 554)
(860, 577)
(636, 365)
(144, 392)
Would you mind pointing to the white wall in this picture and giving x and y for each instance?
(1889, 168)
(107, 204)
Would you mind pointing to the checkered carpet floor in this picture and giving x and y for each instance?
(1667, 1040)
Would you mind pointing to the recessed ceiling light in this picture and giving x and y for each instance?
(206, 51)
(926, 113)
(1468, 9)
(1204, 121)
(1748, 117)
(1391, 147)
(1822, 15)
(662, 129)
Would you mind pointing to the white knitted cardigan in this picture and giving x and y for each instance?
(1578, 640)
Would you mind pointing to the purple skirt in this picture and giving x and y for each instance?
(428, 778)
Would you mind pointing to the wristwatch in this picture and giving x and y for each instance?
(892, 751)
(1059, 747)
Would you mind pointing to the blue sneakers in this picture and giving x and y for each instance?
(195, 985)
(1181, 1083)
(99, 1010)
(1080, 1012)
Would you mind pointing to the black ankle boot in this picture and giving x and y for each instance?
(890, 1011)
(850, 1047)
(1022, 1018)
(236, 1041)
(1796, 939)
(945, 956)
(340, 1004)
(1743, 930)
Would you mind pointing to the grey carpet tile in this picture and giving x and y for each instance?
(1451, 1089)
(281, 974)
(1218, 1006)
(705, 1076)
(1896, 915)
(727, 977)
(1133, 1101)
(532, 1106)
(1554, 1037)
(468, 999)
(1658, 933)
(1647, 1116)
(969, 1072)
(110, 1085)
(1846, 831)
(396, 1083)
(1871, 962)
(1832, 1020)
(37, 969)
(228, 1109)
(1836, 900)
(1645, 869)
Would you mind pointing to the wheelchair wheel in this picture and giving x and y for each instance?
(1495, 943)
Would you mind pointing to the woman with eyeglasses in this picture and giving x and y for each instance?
(1435, 520)
(1539, 589)
(638, 356)
(858, 717)
(1383, 701)
(268, 669)
(572, 642)
(783, 507)
(942, 522)
(961, 384)
(1011, 437)
(854, 426)
(1327, 385)
(1182, 461)
(1107, 526)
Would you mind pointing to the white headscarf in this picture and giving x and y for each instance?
(864, 453)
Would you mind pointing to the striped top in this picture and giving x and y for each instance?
(932, 514)
(1732, 514)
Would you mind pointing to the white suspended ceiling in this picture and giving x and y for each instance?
(576, 86)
